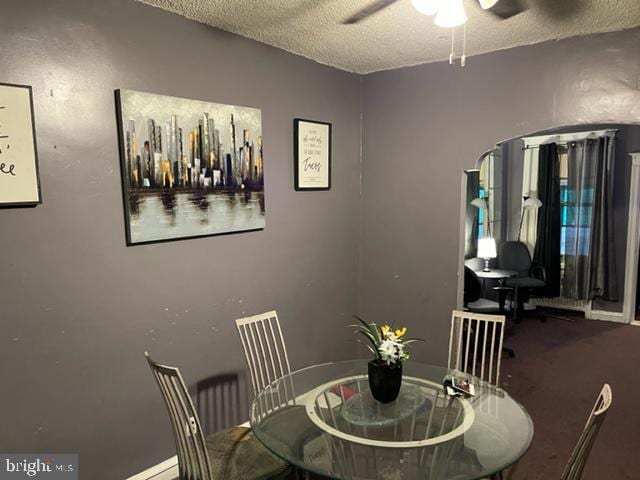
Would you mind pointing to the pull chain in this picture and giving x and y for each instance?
(452, 55)
(463, 59)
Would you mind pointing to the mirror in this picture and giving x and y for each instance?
(546, 221)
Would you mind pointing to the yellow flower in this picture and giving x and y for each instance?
(385, 330)
(401, 331)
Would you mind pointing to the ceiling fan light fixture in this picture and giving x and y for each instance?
(451, 14)
(426, 7)
(487, 4)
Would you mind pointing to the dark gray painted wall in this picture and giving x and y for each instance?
(79, 308)
(424, 125)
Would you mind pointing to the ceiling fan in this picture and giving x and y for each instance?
(454, 11)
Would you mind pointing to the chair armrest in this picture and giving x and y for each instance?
(539, 272)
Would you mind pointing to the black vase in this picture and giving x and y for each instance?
(385, 381)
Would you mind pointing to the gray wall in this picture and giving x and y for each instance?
(424, 125)
(79, 307)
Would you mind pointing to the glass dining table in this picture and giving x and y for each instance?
(323, 419)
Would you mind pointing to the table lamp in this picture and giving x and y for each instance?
(487, 250)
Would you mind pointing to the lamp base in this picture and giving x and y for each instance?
(486, 265)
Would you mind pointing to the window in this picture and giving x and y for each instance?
(576, 212)
(481, 220)
(490, 181)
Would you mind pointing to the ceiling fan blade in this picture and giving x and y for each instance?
(367, 11)
(504, 9)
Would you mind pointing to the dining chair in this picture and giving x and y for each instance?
(267, 360)
(580, 455)
(514, 255)
(231, 454)
(264, 350)
(475, 344)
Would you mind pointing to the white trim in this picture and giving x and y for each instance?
(635, 323)
(616, 317)
(565, 137)
(633, 242)
(167, 470)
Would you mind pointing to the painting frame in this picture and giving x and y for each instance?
(122, 148)
(35, 177)
(300, 182)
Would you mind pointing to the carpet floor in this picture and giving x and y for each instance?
(559, 369)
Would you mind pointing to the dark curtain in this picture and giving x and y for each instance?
(603, 280)
(590, 264)
(582, 166)
(471, 219)
(547, 249)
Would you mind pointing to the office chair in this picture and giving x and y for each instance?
(515, 256)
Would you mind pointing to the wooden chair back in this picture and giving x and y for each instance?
(475, 344)
(580, 455)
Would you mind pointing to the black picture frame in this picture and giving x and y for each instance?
(123, 170)
(28, 204)
(296, 159)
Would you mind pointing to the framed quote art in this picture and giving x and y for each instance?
(19, 183)
(312, 154)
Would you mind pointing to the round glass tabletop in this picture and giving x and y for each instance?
(323, 419)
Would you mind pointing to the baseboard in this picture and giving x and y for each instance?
(617, 317)
(167, 470)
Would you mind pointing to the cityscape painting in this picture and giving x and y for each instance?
(189, 168)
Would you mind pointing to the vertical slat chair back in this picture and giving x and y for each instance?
(580, 455)
(266, 355)
(193, 461)
(475, 344)
(219, 401)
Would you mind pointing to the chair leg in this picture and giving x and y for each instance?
(514, 309)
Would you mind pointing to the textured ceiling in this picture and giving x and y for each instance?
(398, 36)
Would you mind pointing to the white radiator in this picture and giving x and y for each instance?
(563, 303)
(585, 306)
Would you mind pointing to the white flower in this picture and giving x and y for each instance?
(391, 351)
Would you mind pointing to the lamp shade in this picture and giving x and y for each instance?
(487, 4)
(451, 14)
(426, 7)
(487, 248)
(479, 202)
(532, 202)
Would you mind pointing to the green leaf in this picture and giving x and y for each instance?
(372, 328)
(375, 352)
(367, 332)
